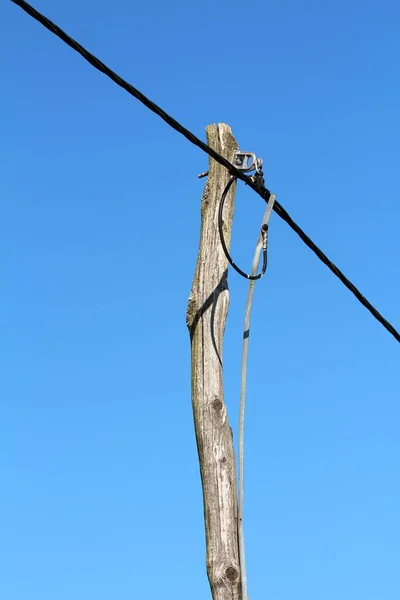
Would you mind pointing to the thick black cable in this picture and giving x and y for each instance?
(100, 66)
(263, 192)
(222, 238)
(336, 271)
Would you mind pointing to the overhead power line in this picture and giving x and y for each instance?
(261, 191)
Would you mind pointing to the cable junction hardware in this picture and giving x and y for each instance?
(245, 162)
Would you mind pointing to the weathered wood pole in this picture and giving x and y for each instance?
(206, 317)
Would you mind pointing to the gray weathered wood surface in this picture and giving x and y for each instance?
(206, 318)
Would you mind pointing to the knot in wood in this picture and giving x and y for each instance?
(217, 404)
(232, 573)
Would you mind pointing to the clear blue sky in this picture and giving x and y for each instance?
(101, 493)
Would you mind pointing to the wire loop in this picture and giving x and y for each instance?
(223, 243)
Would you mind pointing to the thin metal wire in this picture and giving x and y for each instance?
(261, 191)
(262, 243)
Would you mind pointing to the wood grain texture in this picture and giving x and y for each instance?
(206, 318)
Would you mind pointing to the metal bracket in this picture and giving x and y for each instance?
(244, 161)
(247, 161)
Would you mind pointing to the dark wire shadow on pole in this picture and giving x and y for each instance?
(210, 302)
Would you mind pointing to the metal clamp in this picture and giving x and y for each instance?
(247, 161)
(244, 161)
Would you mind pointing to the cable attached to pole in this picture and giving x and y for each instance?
(262, 243)
(233, 170)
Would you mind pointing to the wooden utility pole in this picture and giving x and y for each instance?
(206, 317)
